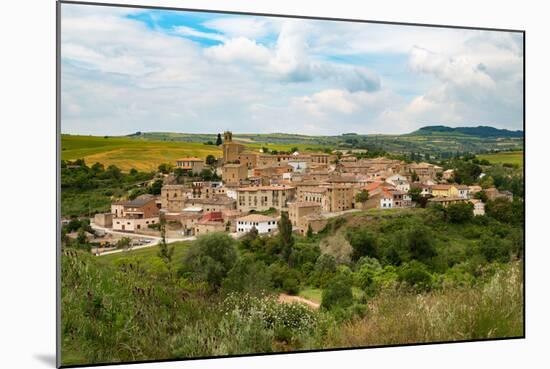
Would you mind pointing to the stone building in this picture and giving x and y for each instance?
(264, 197)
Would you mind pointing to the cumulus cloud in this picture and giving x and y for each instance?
(239, 49)
(255, 74)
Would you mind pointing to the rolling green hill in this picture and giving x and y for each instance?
(146, 150)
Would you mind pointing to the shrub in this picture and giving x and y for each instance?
(209, 258)
(364, 243)
(461, 212)
(416, 275)
(337, 293)
(248, 276)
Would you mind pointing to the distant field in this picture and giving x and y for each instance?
(513, 157)
(143, 155)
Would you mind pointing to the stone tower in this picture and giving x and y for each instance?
(227, 136)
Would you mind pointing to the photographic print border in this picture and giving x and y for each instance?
(59, 3)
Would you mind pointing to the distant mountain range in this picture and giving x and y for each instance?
(479, 131)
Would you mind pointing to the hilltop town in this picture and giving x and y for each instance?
(256, 187)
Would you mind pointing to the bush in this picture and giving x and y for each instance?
(338, 293)
(461, 212)
(416, 275)
(210, 258)
(364, 243)
(248, 276)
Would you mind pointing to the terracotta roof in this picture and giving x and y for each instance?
(265, 188)
(189, 159)
(256, 218)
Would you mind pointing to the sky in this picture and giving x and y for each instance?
(125, 70)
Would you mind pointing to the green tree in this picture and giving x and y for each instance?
(309, 233)
(481, 195)
(248, 276)
(420, 243)
(165, 252)
(156, 187)
(285, 235)
(416, 275)
(416, 194)
(210, 258)
(165, 168)
(362, 197)
(363, 242)
(211, 159)
(337, 293)
(219, 140)
(123, 243)
(461, 212)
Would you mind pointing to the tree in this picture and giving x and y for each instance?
(123, 243)
(420, 245)
(156, 187)
(211, 159)
(416, 194)
(461, 212)
(248, 276)
(285, 235)
(219, 140)
(416, 275)
(337, 293)
(164, 168)
(210, 258)
(362, 197)
(309, 233)
(481, 195)
(414, 177)
(165, 252)
(363, 242)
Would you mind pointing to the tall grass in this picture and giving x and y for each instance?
(130, 311)
(490, 310)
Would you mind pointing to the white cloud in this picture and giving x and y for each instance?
(188, 31)
(267, 74)
(249, 27)
(239, 49)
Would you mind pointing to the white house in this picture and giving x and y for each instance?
(262, 223)
(400, 182)
(463, 191)
(479, 207)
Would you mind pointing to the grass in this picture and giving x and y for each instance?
(511, 157)
(146, 155)
(492, 310)
(130, 153)
(313, 294)
(146, 253)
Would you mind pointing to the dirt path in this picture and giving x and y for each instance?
(288, 299)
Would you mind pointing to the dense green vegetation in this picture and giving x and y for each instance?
(411, 275)
(86, 190)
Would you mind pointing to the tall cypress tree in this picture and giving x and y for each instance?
(285, 235)
(219, 139)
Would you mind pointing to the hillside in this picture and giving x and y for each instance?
(479, 131)
(432, 140)
(146, 150)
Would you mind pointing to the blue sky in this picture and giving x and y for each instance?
(127, 70)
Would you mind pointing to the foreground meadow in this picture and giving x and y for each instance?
(373, 278)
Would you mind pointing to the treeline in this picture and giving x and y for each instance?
(86, 190)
